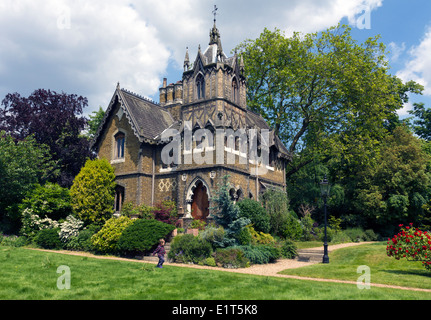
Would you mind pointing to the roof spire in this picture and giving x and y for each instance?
(187, 60)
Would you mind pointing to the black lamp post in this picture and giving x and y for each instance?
(324, 191)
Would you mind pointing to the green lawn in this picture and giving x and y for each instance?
(32, 275)
(385, 270)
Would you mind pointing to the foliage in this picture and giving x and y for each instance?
(288, 250)
(70, 228)
(13, 241)
(142, 211)
(213, 234)
(56, 120)
(422, 124)
(276, 205)
(94, 122)
(231, 258)
(142, 235)
(48, 201)
(187, 248)
(323, 93)
(411, 243)
(261, 254)
(198, 224)
(227, 214)
(81, 242)
(166, 211)
(258, 237)
(22, 164)
(107, 238)
(92, 192)
(32, 223)
(48, 239)
(396, 187)
(254, 211)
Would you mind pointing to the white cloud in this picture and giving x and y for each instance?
(85, 47)
(419, 66)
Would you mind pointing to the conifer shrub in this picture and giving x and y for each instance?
(142, 235)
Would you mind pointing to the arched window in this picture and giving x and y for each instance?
(235, 95)
(120, 139)
(200, 86)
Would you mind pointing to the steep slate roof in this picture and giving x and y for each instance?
(147, 119)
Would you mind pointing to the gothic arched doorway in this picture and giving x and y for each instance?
(198, 200)
(200, 204)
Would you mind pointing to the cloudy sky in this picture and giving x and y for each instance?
(86, 47)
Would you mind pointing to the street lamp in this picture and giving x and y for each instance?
(324, 191)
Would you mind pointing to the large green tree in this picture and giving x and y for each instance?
(323, 93)
(22, 164)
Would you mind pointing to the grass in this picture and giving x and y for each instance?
(32, 275)
(384, 270)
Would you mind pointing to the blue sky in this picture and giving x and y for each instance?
(86, 47)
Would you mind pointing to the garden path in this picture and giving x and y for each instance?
(271, 269)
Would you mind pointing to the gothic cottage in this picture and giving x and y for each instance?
(208, 111)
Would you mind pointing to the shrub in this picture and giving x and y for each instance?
(412, 244)
(260, 254)
(107, 238)
(142, 235)
(48, 239)
(214, 235)
(166, 212)
(260, 237)
(92, 192)
(32, 223)
(355, 234)
(48, 201)
(340, 237)
(231, 258)
(70, 228)
(244, 236)
(290, 228)
(12, 241)
(257, 214)
(288, 250)
(82, 242)
(187, 248)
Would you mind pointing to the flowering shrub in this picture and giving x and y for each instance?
(70, 228)
(412, 244)
(32, 223)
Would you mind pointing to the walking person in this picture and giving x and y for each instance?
(160, 251)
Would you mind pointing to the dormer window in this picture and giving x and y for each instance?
(200, 86)
(120, 140)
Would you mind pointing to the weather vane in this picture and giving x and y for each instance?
(215, 13)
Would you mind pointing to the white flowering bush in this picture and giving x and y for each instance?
(32, 223)
(70, 228)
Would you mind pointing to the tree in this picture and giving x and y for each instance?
(55, 119)
(395, 187)
(324, 94)
(94, 122)
(92, 192)
(227, 214)
(22, 165)
(422, 125)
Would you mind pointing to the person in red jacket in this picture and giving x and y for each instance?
(160, 251)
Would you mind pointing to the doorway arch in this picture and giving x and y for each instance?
(198, 197)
